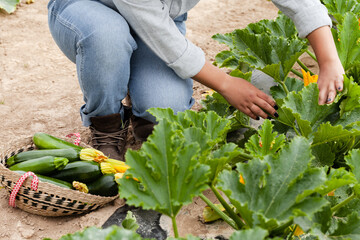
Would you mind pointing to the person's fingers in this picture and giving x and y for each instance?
(248, 112)
(339, 84)
(323, 96)
(331, 96)
(267, 98)
(256, 110)
(269, 108)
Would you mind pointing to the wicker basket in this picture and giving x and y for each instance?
(49, 199)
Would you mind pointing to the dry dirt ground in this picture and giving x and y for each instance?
(39, 92)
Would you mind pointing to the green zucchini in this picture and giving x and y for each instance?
(51, 180)
(82, 171)
(69, 153)
(104, 186)
(43, 165)
(47, 141)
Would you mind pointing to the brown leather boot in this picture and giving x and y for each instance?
(142, 128)
(109, 135)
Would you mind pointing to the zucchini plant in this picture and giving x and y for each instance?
(9, 5)
(294, 176)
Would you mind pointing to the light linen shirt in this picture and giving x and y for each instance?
(152, 20)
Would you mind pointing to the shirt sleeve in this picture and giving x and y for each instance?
(151, 21)
(308, 15)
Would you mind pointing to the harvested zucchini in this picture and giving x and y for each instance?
(69, 153)
(51, 180)
(42, 165)
(82, 171)
(104, 186)
(46, 141)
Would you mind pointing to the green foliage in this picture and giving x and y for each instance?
(130, 222)
(338, 8)
(266, 142)
(111, 233)
(276, 188)
(9, 5)
(269, 45)
(346, 38)
(168, 172)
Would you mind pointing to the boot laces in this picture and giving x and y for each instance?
(109, 139)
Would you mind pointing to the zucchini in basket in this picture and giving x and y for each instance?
(82, 171)
(42, 165)
(104, 186)
(47, 141)
(69, 153)
(51, 180)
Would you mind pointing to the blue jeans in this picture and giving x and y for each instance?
(112, 61)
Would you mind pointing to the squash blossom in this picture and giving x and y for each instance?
(90, 154)
(107, 165)
(298, 231)
(242, 181)
(308, 78)
(80, 186)
(208, 92)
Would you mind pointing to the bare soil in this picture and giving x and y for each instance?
(39, 91)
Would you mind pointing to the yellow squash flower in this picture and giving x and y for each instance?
(242, 181)
(108, 165)
(308, 78)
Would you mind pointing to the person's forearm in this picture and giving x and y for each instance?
(212, 77)
(321, 40)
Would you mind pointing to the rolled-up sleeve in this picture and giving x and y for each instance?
(308, 15)
(151, 21)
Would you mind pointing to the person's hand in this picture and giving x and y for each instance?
(248, 99)
(238, 92)
(330, 81)
(331, 71)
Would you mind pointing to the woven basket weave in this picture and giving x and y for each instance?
(49, 199)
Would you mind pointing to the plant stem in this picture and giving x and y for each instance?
(296, 131)
(280, 230)
(225, 217)
(284, 87)
(175, 229)
(311, 54)
(343, 203)
(297, 73)
(228, 209)
(304, 67)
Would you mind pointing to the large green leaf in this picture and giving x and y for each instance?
(347, 40)
(250, 234)
(351, 93)
(266, 142)
(282, 26)
(292, 84)
(306, 110)
(276, 188)
(338, 8)
(328, 133)
(110, 233)
(336, 179)
(168, 172)
(9, 5)
(209, 122)
(274, 56)
(353, 160)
